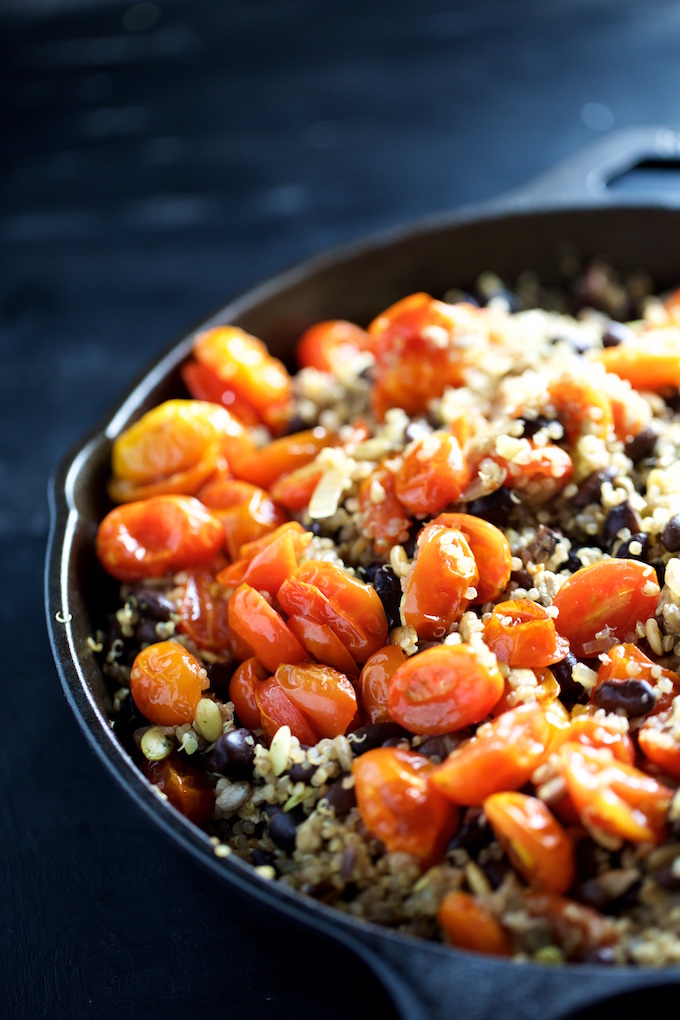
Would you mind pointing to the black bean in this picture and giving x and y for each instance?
(573, 563)
(672, 398)
(571, 692)
(146, 633)
(623, 551)
(494, 508)
(388, 587)
(301, 772)
(660, 568)
(152, 603)
(496, 871)
(543, 544)
(282, 830)
(670, 535)
(366, 738)
(440, 746)
(620, 516)
(589, 489)
(219, 675)
(530, 426)
(667, 879)
(633, 697)
(232, 755)
(341, 800)
(263, 858)
(474, 833)
(642, 445)
(522, 578)
(411, 543)
(617, 333)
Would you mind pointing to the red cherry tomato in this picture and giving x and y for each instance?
(246, 511)
(276, 710)
(434, 472)
(491, 551)
(326, 697)
(204, 611)
(441, 584)
(374, 682)
(242, 691)
(325, 345)
(523, 634)
(468, 925)
(264, 631)
(166, 683)
(539, 848)
(185, 786)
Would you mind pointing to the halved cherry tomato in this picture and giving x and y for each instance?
(268, 568)
(581, 408)
(398, 805)
(609, 596)
(277, 710)
(295, 490)
(441, 584)
(374, 682)
(433, 473)
(242, 691)
(326, 697)
(658, 742)
(246, 511)
(627, 661)
(328, 594)
(652, 362)
(537, 472)
(322, 643)
(243, 362)
(546, 692)
(502, 755)
(490, 549)
(326, 345)
(595, 731)
(186, 787)
(267, 464)
(155, 536)
(533, 839)
(444, 689)
(166, 683)
(613, 796)
(263, 629)
(522, 633)
(204, 611)
(383, 518)
(204, 384)
(468, 925)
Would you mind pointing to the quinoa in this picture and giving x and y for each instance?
(526, 394)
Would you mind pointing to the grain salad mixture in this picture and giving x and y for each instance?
(399, 624)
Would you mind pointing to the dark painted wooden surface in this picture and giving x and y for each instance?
(156, 159)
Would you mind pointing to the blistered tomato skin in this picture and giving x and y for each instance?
(442, 582)
(444, 689)
(522, 634)
(155, 536)
(434, 473)
(166, 683)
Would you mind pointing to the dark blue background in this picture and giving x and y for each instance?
(156, 159)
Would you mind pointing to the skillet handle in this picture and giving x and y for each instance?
(584, 179)
(434, 982)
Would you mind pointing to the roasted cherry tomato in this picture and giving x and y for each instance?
(245, 365)
(276, 710)
(295, 490)
(398, 805)
(613, 796)
(264, 631)
(266, 465)
(246, 511)
(468, 925)
(538, 473)
(444, 689)
(327, 345)
(651, 362)
(174, 448)
(374, 682)
(581, 409)
(186, 787)
(628, 662)
(658, 742)
(273, 559)
(537, 845)
(204, 384)
(441, 584)
(242, 691)
(523, 634)
(433, 474)
(608, 597)
(204, 611)
(502, 755)
(157, 536)
(166, 683)
(326, 697)
(491, 551)
(383, 518)
(596, 731)
(323, 644)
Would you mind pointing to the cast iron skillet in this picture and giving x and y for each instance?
(569, 209)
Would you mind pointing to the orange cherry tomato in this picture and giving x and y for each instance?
(265, 632)
(326, 345)
(659, 744)
(652, 362)
(581, 408)
(186, 787)
(174, 448)
(242, 691)
(611, 596)
(243, 362)
(491, 551)
(523, 634)
(204, 611)
(295, 490)
(594, 731)
(204, 384)
(269, 463)
(416, 357)
(156, 536)
(468, 925)
(246, 511)
(276, 710)
(539, 848)
(268, 568)
(626, 661)
(502, 755)
(613, 796)
(327, 594)
(398, 805)
(444, 689)
(441, 584)
(166, 683)
(374, 682)
(322, 643)
(538, 473)
(383, 518)
(433, 473)
(326, 697)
